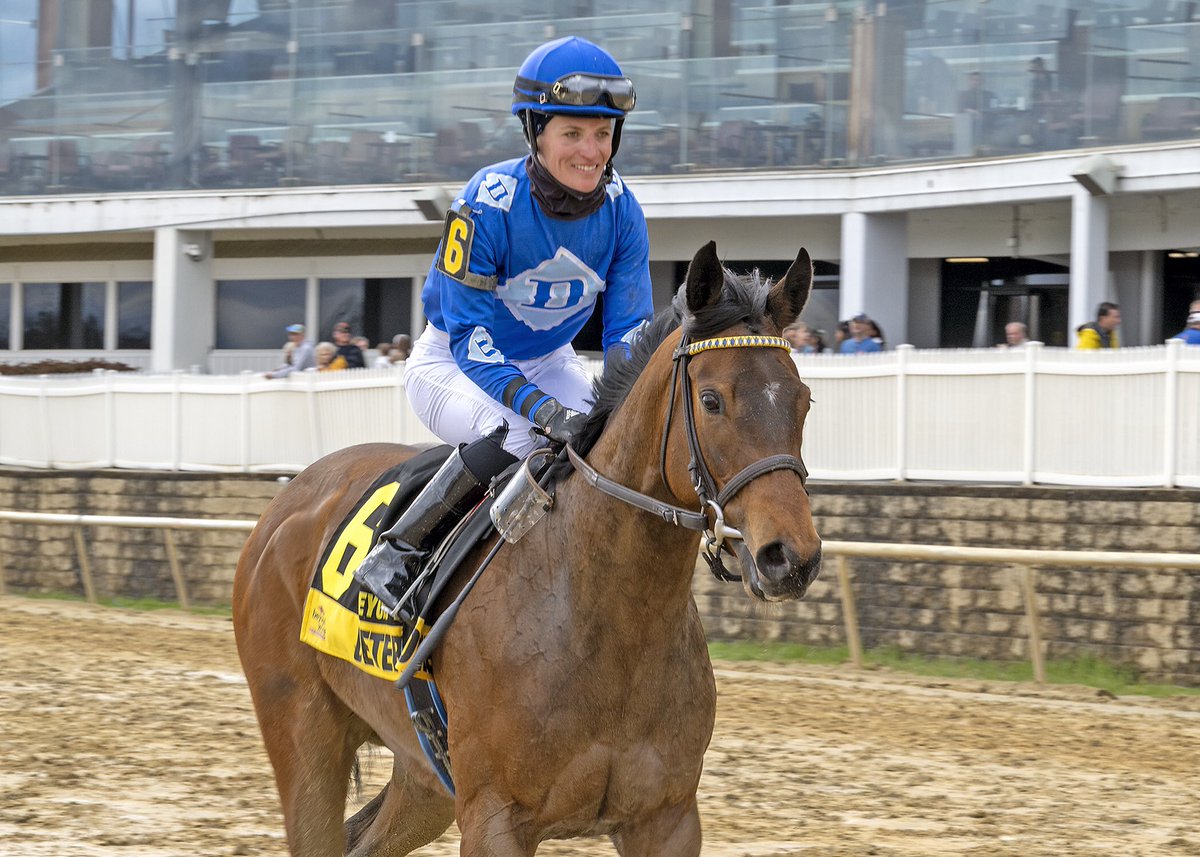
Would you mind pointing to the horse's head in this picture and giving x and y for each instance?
(747, 409)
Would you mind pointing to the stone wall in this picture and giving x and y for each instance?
(1150, 619)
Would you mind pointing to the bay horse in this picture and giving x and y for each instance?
(576, 677)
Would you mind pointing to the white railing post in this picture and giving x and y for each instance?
(244, 420)
(902, 353)
(314, 420)
(44, 415)
(176, 419)
(1029, 425)
(110, 415)
(1171, 412)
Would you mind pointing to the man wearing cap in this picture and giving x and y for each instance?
(860, 342)
(1191, 333)
(302, 356)
(346, 349)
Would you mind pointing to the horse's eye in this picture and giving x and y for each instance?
(711, 402)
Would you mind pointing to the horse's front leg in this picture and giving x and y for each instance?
(493, 827)
(673, 832)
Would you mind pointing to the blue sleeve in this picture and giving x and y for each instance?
(468, 312)
(628, 294)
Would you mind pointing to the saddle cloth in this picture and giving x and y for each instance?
(343, 620)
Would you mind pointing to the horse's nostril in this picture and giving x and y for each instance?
(777, 562)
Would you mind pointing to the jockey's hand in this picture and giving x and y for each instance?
(559, 424)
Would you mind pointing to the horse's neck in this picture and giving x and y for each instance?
(642, 552)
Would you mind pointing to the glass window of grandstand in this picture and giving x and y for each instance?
(375, 307)
(252, 314)
(133, 315)
(5, 314)
(63, 315)
(211, 93)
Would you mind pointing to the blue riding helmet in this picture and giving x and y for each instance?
(571, 76)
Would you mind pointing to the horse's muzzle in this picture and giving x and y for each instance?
(777, 572)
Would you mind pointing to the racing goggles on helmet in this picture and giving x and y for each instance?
(584, 90)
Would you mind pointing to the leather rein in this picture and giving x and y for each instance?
(711, 498)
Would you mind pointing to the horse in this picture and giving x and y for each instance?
(579, 693)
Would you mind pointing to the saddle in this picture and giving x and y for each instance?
(348, 622)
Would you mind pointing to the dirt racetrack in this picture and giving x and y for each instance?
(132, 734)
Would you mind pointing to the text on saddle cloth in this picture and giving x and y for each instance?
(348, 622)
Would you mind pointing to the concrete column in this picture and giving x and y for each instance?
(874, 271)
(1150, 285)
(416, 325)
(184, 326)
(1089, 259)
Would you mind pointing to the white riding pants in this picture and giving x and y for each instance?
(455, 409)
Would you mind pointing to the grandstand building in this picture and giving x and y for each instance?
(180, 179)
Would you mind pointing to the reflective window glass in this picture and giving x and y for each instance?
(254, 313)
(64, 315)
(5, 314)
(377, 307)
(133, 314)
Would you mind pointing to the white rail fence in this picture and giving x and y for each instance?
(1129, 417)
(1022, 561)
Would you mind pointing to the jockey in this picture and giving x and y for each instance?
(528, 246)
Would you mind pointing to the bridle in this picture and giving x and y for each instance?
(711, 498)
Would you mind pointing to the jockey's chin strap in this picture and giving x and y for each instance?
(711, 499)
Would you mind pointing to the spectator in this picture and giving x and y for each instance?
(796, 334)
(364, 344)
(875, 332)
(840, 335)
(301, 356)
(350, 353)
(1191, 333)
(401, 347)
(1101, 333)
(1016, 334)
(1041, 84)
(975, 99)
(382, 361)
(814, 341)
(862, 337)
(328, 359)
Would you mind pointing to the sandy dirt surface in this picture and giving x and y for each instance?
(132, 734)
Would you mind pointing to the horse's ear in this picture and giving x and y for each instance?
(705, 278)
(788, 296)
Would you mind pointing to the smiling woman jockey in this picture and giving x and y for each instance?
(529, 244)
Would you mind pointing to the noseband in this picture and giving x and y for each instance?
(702, 481)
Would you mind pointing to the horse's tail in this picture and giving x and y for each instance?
(359, 823)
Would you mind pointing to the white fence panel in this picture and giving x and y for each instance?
(78, 427)
(1100, 421)
(22, 438)
(1130, 417)
(145, 421)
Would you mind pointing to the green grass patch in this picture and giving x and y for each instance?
(1087, 671)
(145, 605)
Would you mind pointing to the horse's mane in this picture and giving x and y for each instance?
(743, 299)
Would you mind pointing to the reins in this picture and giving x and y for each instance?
(711, 498)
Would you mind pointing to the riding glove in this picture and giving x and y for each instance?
(559, 424)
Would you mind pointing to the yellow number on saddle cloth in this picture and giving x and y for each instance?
(342, 620)
(354, 542)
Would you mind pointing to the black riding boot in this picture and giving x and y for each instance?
(460, 483)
